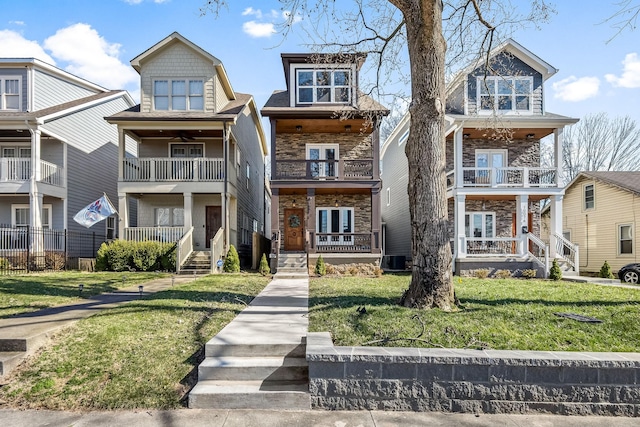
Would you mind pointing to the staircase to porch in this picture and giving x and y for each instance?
(199, 262)
(292, 265)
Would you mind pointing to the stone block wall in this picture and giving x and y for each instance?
(471, 381)
(353, 146)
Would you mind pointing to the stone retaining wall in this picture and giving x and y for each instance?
(471, 381)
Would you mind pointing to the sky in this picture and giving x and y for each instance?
(96, 39)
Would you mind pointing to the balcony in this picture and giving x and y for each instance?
(173, 170)
(14, 169)
(338, 170)
(508, 177)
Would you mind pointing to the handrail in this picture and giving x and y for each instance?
(184, 248)
(51, 173)
(341, 169)
(162, 234)
(543, 252)
(567, 251)
(217, 249)
(510, 176)
(171, 169)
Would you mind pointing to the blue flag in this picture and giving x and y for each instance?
(95, 212)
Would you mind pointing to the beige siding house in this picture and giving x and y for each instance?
(601, 210)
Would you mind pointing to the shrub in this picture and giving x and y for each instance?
(555, 273)
(481, 273)
(123, 255)
(232, 261)
(4, 264)
(377, 271)
(264, 266)
(605, 271)
(320, 269)
(530, 274)
(503, 274)
(55, 260)
(354, 270)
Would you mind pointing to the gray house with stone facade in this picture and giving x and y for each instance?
(199, 176)
(325, 158)
(495, 121)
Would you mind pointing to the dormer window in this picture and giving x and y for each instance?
(505, 94)
(323, 86)
(10, 93)
(178, 95)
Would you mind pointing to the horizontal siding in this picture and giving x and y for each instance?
(51, 90)
(596, 230)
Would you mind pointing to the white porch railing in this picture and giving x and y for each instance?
(567, 251)
(495, 246)
(508, 177)
(184, 248)
(217, 249)
(173, 169)
(161, 234)
(51, 173)
(539, 251)
(17, 169)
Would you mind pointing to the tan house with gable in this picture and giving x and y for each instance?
(601, 211)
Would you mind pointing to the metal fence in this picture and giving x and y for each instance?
(29, 249)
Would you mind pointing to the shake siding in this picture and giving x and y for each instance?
(218, 95)
(455, 102)
(613, 207)
(50, 90)
(174, 62)
(22, 73)
(92, 156)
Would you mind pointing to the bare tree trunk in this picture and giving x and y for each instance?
(431, 279)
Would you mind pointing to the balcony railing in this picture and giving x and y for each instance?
(506, 177)
(16, 169)
(496, 246)
(160, 234)
(343, 169)
(173, 169)
(344, 242)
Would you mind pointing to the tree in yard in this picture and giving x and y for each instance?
(388, 31)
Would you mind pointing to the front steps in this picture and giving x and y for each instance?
(292, 266)
(258, 361)
(199, 262)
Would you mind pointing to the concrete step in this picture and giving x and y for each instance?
(254, 368)
(9, 360)
(291, 275)
(289, 395)
(220, 348)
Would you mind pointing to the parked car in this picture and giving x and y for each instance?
(630, 273)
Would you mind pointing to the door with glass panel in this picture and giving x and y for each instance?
(335, 226)
(324, 160)
(182, 160)
(479, 230)
(490, 163)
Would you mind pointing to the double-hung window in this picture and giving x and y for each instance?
(21, 216)
(169, 217)
(334, 226)
(480, 225)
(625, 234)
(589, 196)
(505, 94)
(178, 94)
(10, 93)
(323, 86)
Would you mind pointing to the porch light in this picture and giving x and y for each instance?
(336, 203)
(484, 205)
(347, 128)
(299, 128)
(294, 203)
(531, 135)
(466, 135)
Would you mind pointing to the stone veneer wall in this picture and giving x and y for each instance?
(471, 381)
(519, 152)
(353, 146)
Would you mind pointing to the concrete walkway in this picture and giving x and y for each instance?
(600, 281)
(24, 334)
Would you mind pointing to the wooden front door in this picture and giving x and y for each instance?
(293, 229)
(213, 222)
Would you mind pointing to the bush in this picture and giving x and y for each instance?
(232, 261)
(481, 273)
(530, 274)
(123, 255)
(605, 271)
(555, 273)
(4, 264)
(264, 265)
(55, 260)
(321, 269)
(503, 274)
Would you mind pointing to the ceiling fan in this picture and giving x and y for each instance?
(183, 137)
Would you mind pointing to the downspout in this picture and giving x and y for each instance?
(225, 216)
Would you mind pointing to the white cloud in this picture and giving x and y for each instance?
(252, 12)
(257, 29)
(574, 89)
(90, 56)
(20, 23)
(630, 77)
(133, 1)
(13, 45)
(296, 18)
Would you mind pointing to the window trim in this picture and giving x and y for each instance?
(295, 95)
(322, 160)
(620, 253)
(483, 214)
(178, 144)
(3, 102)
(342, 240)
(169, 95)
(172, 222)
(16, 206)
(584, 196)
(480, 82)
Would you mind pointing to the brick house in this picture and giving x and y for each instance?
(325, 161)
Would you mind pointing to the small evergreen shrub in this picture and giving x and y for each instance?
(481, 273)
(605, 271)
(232, 261)
(264, 266)
(123, 255)
(555, 273)
(321, 269)
(503, 274)
(529, 274)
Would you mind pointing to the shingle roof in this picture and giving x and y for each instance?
(627, 180)
(57, 108)
(278, 103)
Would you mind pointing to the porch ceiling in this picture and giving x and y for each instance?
(326, 125)
(532, 197)
(303, 191)
(501, 134)
(177, 134)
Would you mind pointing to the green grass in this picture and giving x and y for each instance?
(32, 292)
(496, 313)
(143, 354)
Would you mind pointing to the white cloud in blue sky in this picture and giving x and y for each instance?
(14, 45)
(575, 89)
(267, 28)
(134, 2)
(630, 77)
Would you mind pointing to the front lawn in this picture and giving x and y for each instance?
(513, 314)
(32, 292)
(143, 354)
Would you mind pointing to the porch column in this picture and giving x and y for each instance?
(457, 156)
(35, 212)
(522, 215)
(35, 156)
(555, 226)
(459, 243)
(376, 220)
(122, 149)
(275, 211)
(123, 211)
(188, 211)
(35, 197)
(311, 219)
(557, 154)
